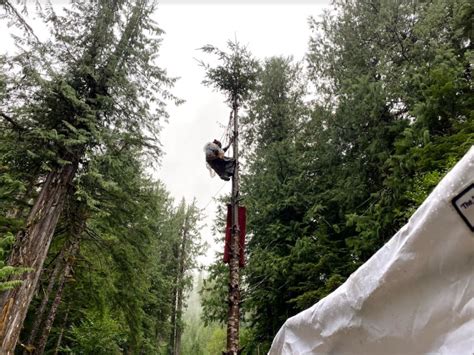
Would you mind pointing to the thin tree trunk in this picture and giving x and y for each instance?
(30, 250)
(179, 330)
(77, 221)
(57, 299)
(61, 333)
(172, 344)
(40, 312)
(179, 306)
(175, 340)
(234, 278)
(52, 315)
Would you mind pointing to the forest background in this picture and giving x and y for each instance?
(339, 150)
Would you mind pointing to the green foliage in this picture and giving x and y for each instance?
(210, 338)
(235, 75)
(96, 334)
(186, 247)
(328, 181)
(214, 294)
(330, 174)
(126, 270)
(7, 271)
(92, 96)
(127, 233)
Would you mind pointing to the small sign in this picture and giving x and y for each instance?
(464, 204)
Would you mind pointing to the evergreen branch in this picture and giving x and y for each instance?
(94, 237)
(10, 8)
(12, 122)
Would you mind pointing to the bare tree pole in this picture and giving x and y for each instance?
(234, 277)
(236, 76)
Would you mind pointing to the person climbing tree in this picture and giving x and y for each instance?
(222, 165)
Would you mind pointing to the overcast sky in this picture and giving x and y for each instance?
(266, 27)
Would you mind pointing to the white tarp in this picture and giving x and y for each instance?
(414, 296)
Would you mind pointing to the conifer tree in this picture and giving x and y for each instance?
(186, 247)
(96, 96)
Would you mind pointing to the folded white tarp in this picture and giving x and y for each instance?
(414, 296)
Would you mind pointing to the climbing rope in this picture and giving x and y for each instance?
(225, 138)
(213, 197)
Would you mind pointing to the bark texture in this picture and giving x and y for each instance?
(234, 277)
(41, 311)
(71, 257)
(30, 251)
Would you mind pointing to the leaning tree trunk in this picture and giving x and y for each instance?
(40, 312)
(30, 250)
(57, 299)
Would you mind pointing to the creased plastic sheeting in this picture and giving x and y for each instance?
(414, 296)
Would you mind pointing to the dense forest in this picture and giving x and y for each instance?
(338, 152)
(106, 248)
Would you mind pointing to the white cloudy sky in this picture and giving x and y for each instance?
(267, 28)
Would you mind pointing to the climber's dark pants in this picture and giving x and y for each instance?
(223, 167)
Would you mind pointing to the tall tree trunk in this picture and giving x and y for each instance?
(57, 299)
(40, 312)
(179, 328)
(180, 286)
(234, 277)
(174, 314)
(30, 250)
